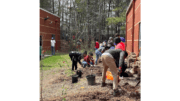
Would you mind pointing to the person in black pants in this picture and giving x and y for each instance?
(76, 57)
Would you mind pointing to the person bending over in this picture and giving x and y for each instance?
(99, 52)
(76, 57)
(108, 59)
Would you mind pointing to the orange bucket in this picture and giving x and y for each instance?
(109, 75)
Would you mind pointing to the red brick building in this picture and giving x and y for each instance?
(133, 27)
(49, 28)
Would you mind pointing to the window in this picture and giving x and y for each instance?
(139, 38)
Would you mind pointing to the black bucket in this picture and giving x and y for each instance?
(79, 73)
(91, 79)
(74, 78)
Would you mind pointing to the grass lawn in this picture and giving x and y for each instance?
(55, 61)
(59, 61)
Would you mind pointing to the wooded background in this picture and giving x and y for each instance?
(89, 19)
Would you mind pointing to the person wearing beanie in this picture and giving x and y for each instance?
(53, 46)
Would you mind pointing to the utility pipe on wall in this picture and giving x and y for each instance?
(133, 26)
(126, 34)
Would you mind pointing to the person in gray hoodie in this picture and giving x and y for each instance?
(109, 59)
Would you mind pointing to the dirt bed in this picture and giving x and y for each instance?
(81, 91)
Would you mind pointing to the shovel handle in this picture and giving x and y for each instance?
(138, 83)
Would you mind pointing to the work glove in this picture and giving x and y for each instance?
(119, 71)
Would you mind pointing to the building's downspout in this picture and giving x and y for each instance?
(133, 26)
(126, 34)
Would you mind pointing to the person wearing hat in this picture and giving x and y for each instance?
(52, 46)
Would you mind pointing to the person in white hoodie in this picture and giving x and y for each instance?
(53, 46)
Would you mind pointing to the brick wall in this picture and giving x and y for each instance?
(47, 29)
(129, 27)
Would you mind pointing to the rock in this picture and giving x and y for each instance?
(139, 58)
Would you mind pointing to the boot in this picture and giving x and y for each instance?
(103, 84)
(116, 92)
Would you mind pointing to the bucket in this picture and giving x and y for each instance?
(91, 79)
(109, 75)
(79, 73)
(74, 78)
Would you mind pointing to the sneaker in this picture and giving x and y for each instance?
(103, 84)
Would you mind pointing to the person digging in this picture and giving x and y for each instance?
(76, 57)
(108, 59)
(120, 45)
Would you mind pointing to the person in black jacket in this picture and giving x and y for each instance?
(76, 57)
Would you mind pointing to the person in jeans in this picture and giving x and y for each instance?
(108, 59)
(96, 44)
(99, 52)
(88, 60)
(76, 57)
(52, 46)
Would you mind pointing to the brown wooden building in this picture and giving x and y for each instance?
(49, 27)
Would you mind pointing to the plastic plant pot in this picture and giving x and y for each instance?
(74, 78)
(91, 79)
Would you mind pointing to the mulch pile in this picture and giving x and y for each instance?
(97, 70)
